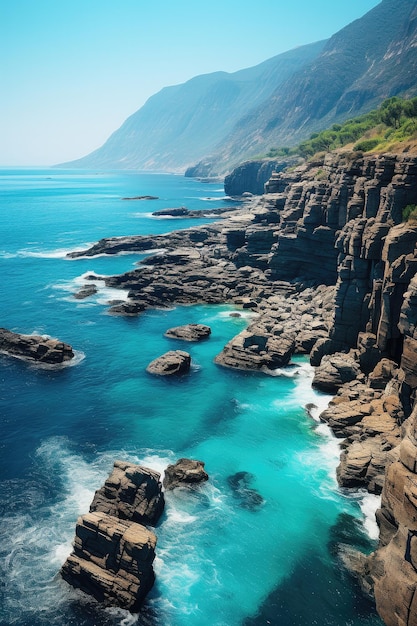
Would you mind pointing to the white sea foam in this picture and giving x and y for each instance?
(60, 253)
(369, 504)
(42, 534)
(103, 295)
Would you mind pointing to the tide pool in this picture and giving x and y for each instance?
(227, 555)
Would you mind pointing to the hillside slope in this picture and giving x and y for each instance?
(371, 59)
(180, 124)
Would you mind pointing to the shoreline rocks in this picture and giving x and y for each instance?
(130, 492)
(35, 348)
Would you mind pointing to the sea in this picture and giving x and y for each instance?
(260, 542)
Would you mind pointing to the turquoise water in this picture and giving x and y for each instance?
(262, 554)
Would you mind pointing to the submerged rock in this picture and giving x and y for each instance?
(249, 498)
(174, 362)
(189, 332)
(35, 348)
(184, 472)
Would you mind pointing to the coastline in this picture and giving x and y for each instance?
(244, 260)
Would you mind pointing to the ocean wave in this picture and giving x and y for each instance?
(59, 253)
(103, 296)
(39, 529)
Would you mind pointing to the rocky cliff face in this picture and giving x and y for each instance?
(251, 176)
(336, 222)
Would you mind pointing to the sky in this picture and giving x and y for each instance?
(73, 70)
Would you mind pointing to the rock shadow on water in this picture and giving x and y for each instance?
(247, 497)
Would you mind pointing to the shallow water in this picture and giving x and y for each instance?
(258, 543)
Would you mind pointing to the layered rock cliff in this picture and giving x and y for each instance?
(336, 222)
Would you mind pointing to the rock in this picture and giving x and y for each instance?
(131, 492)
(35, 348)
(141, 198)
(128, 309)
(112, 560)
(257, 350)
(334, 371)
(249, 498)
(382, 373)
(86, 292)
(174, 362)
(189, 332)
(177, 212)
(185, 472)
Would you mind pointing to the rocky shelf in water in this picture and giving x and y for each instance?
(35, 348)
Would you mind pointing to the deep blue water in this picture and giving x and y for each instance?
(220, 561)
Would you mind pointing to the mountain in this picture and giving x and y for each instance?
(181, 124)
(371, 59)
(219, 120)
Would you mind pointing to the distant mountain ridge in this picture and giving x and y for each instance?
(216, 121)
(369, 60)
(181, 124)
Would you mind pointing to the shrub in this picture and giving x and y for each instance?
(366, 145)
(410, 212)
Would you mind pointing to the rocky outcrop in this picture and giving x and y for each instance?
(36, 348)
(185, 472)
(113, 554)
(172, 363)
(189, 332)
(131, 492)
(251, 176)
(286, 324)
(112, 560)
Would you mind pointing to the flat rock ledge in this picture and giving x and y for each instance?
(189, 332)
(35, 348)
(113, 554)
(185, 472)
(172, 363)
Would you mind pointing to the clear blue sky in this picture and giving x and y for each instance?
(73, 70)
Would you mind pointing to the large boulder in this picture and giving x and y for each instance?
(257, 350)
(334, 371)
(35, 348)
(112, 560)
(174, 362)
(184, 472)
(131, 492)
(189, 332)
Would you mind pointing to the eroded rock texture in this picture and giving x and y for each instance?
(35, 348)
(112, 560)
(131, 492)
(185, 472)
(113, 554)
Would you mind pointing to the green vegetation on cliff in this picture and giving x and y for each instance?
(381, 129)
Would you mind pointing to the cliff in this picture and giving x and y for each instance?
(330, 266)
(251, 176)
